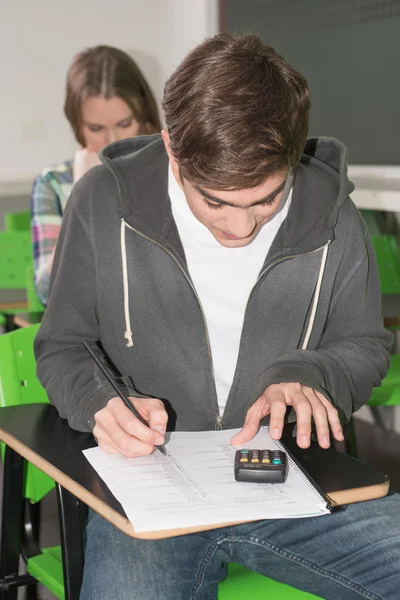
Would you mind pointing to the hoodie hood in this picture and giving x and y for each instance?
(140, 168)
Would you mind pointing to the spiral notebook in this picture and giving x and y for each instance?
(194, 484)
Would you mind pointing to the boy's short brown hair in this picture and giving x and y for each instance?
(236, 113)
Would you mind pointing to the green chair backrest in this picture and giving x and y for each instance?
(19, 221)
(15, 255)
(387, 252)
(19, 385)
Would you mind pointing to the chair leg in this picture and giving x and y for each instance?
(11, 526)
(30, 541)
(350, 440)
(10, 325)
(32, 592)
(72, 518)
(31, 530)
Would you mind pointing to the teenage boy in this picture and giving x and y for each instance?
(227, 276)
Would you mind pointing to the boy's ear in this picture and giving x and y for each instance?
(167, 144)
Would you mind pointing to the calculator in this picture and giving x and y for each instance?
(260, 466)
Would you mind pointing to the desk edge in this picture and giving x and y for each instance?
(123, 524)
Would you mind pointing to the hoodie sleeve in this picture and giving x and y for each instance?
(353, 354)
(72, 380)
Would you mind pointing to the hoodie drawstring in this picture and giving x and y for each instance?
(316, 298)
(128, 335)
(128, 332)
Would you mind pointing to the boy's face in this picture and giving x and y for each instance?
(233, 217)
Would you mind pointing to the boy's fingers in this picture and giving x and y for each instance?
(125, 431)
(277, 412)
(256, 412)
(248, 431)
(130, 424)
(158, 419)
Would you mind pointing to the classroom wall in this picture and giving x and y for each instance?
(349, 53)
(37, 42)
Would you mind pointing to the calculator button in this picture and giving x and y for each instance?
(265, 457)
(276, 458)
(244, 459)
(255, 456)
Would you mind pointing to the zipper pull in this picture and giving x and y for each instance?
(218, 423)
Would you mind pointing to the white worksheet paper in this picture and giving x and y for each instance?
(195, 484)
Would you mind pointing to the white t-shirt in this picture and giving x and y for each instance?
(223, 278)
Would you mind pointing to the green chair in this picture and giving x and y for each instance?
(387, 252)
(388, 257)
(242, 584)
(19, 221)
(15, 256)
(19, 385)
(16, 273)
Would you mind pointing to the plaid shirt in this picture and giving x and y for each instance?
(50, 193)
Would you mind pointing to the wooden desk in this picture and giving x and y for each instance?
(37, 433)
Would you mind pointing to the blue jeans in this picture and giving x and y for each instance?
(351, 554)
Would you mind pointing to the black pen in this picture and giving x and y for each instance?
(124, 399)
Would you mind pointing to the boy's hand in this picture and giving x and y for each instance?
(306, 402)
(118, 431)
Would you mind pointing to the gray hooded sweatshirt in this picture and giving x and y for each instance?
(120, 279)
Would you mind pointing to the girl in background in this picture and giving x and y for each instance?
(107, 99)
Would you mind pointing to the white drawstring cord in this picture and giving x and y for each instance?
(316, 298)
(128, 332)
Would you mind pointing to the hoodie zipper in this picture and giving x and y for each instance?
(187, 277)
(218, 422)
(282, 259)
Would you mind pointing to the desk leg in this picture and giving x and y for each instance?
(12, 525)
(72, 518)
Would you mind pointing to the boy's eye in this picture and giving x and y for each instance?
(267, 202)
(216, 206)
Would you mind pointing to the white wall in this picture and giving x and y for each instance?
(37, 42)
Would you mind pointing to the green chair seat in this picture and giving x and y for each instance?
(242, 584)
(47, 568)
